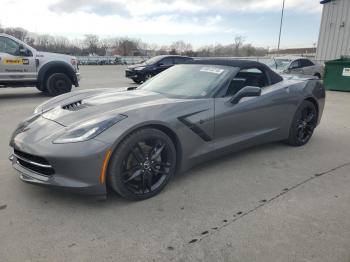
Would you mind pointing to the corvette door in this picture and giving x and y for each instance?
(253, 119)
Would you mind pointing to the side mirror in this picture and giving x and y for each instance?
(21, 49)
(248, 91)
(160, 64)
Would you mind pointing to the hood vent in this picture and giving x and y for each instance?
(75, 106)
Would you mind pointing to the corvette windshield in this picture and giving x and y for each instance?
(188, 81)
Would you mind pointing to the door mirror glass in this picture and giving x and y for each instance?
(248, 91)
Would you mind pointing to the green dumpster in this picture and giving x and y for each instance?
(337, 75)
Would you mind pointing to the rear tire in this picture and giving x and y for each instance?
(142, 165)
(303, 125)
(58, 83)
(318, 75)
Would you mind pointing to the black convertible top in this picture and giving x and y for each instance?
(242, 64)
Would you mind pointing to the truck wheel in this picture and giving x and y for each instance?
(40, 87)
(58, 83)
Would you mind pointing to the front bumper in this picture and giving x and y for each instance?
(75, 167)
(77, 78)
(131, 74)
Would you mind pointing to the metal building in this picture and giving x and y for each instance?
(334, 37)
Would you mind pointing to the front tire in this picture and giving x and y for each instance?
(137, 81)
(142, 165)
(40, 87)
(303, 125)
(58, 83)
(147, 77)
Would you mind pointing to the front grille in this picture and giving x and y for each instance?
(34, 163)
(75, 106)
(129, 73)
(37, 159)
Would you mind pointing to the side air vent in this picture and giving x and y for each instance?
(75, 106)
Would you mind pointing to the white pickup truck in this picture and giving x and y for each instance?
(22, 65)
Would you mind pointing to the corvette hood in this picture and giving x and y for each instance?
(82, 107)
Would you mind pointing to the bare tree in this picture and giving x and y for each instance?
(106, 44)
(129, 46)
(180, 47)
(17, 32)
(92, 43)
(238, 42)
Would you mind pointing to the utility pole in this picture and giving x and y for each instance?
(279, 36)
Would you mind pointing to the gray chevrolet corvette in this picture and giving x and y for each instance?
(133, 140)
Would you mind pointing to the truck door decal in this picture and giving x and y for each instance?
(11, 61)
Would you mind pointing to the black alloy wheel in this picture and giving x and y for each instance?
(143, 164)
(58, 83)
(304, 123)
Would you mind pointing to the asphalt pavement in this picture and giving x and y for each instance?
(269, 203)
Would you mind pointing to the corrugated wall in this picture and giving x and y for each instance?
(334, 38)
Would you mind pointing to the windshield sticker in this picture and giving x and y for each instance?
(213, 70)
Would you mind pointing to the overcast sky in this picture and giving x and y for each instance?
(199, 22)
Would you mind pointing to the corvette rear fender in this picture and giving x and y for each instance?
(314, 92)
(318, 96)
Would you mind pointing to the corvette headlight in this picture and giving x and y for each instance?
(139, 68)
(88, 129)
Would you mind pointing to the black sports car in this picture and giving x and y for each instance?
(144, 71)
